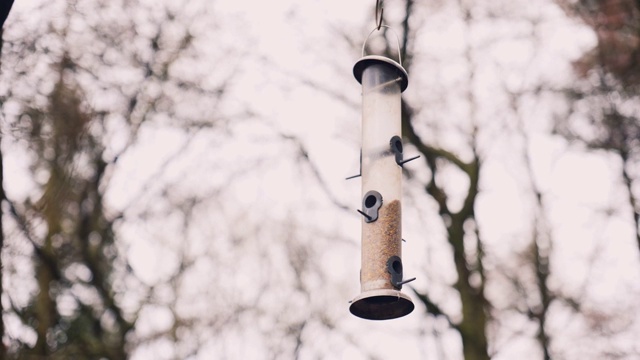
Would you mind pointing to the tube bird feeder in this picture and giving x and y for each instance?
(381, 274)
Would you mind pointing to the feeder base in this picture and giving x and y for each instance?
(382, 304)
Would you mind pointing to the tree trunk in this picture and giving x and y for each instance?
(44, 309)
(474, 319)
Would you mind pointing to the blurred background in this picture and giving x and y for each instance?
(173, 179)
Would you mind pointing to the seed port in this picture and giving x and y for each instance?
(398, 144)
(397, 266)
(397, 150)
(370, 201)
(394, 267)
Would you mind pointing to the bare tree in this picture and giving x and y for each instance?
(75, 309)
(536, 300)
(116, 77)
(605, 101)
(461, 222)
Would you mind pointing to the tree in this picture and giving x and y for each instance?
(113, 82)
(77, 250)
(75, 307)
(528, 274)
(605, 101)
(459, 222)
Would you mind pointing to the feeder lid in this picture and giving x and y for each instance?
(365, 61)
(381, 304)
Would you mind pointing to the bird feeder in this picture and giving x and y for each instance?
(381, 274)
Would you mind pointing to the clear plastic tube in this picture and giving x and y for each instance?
(381, 121)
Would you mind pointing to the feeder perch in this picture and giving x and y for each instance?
(381, 274)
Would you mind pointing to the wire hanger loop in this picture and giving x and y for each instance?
(364, 46)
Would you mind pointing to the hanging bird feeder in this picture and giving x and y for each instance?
(381, 274)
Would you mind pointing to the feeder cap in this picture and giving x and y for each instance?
(381, 304)
(368, 60)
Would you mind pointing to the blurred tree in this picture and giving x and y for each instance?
(613, 68)
(534, 298)
(603, 116)
(604, 104)
(74, 312)
(88, 89)
(460, 223)
(74, 309)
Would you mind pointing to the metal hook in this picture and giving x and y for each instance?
(379, 14)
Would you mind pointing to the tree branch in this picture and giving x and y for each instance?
(433, 308)
(45, 257)
(304, 155)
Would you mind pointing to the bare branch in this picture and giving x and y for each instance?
(303, 154)
(433, 308)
